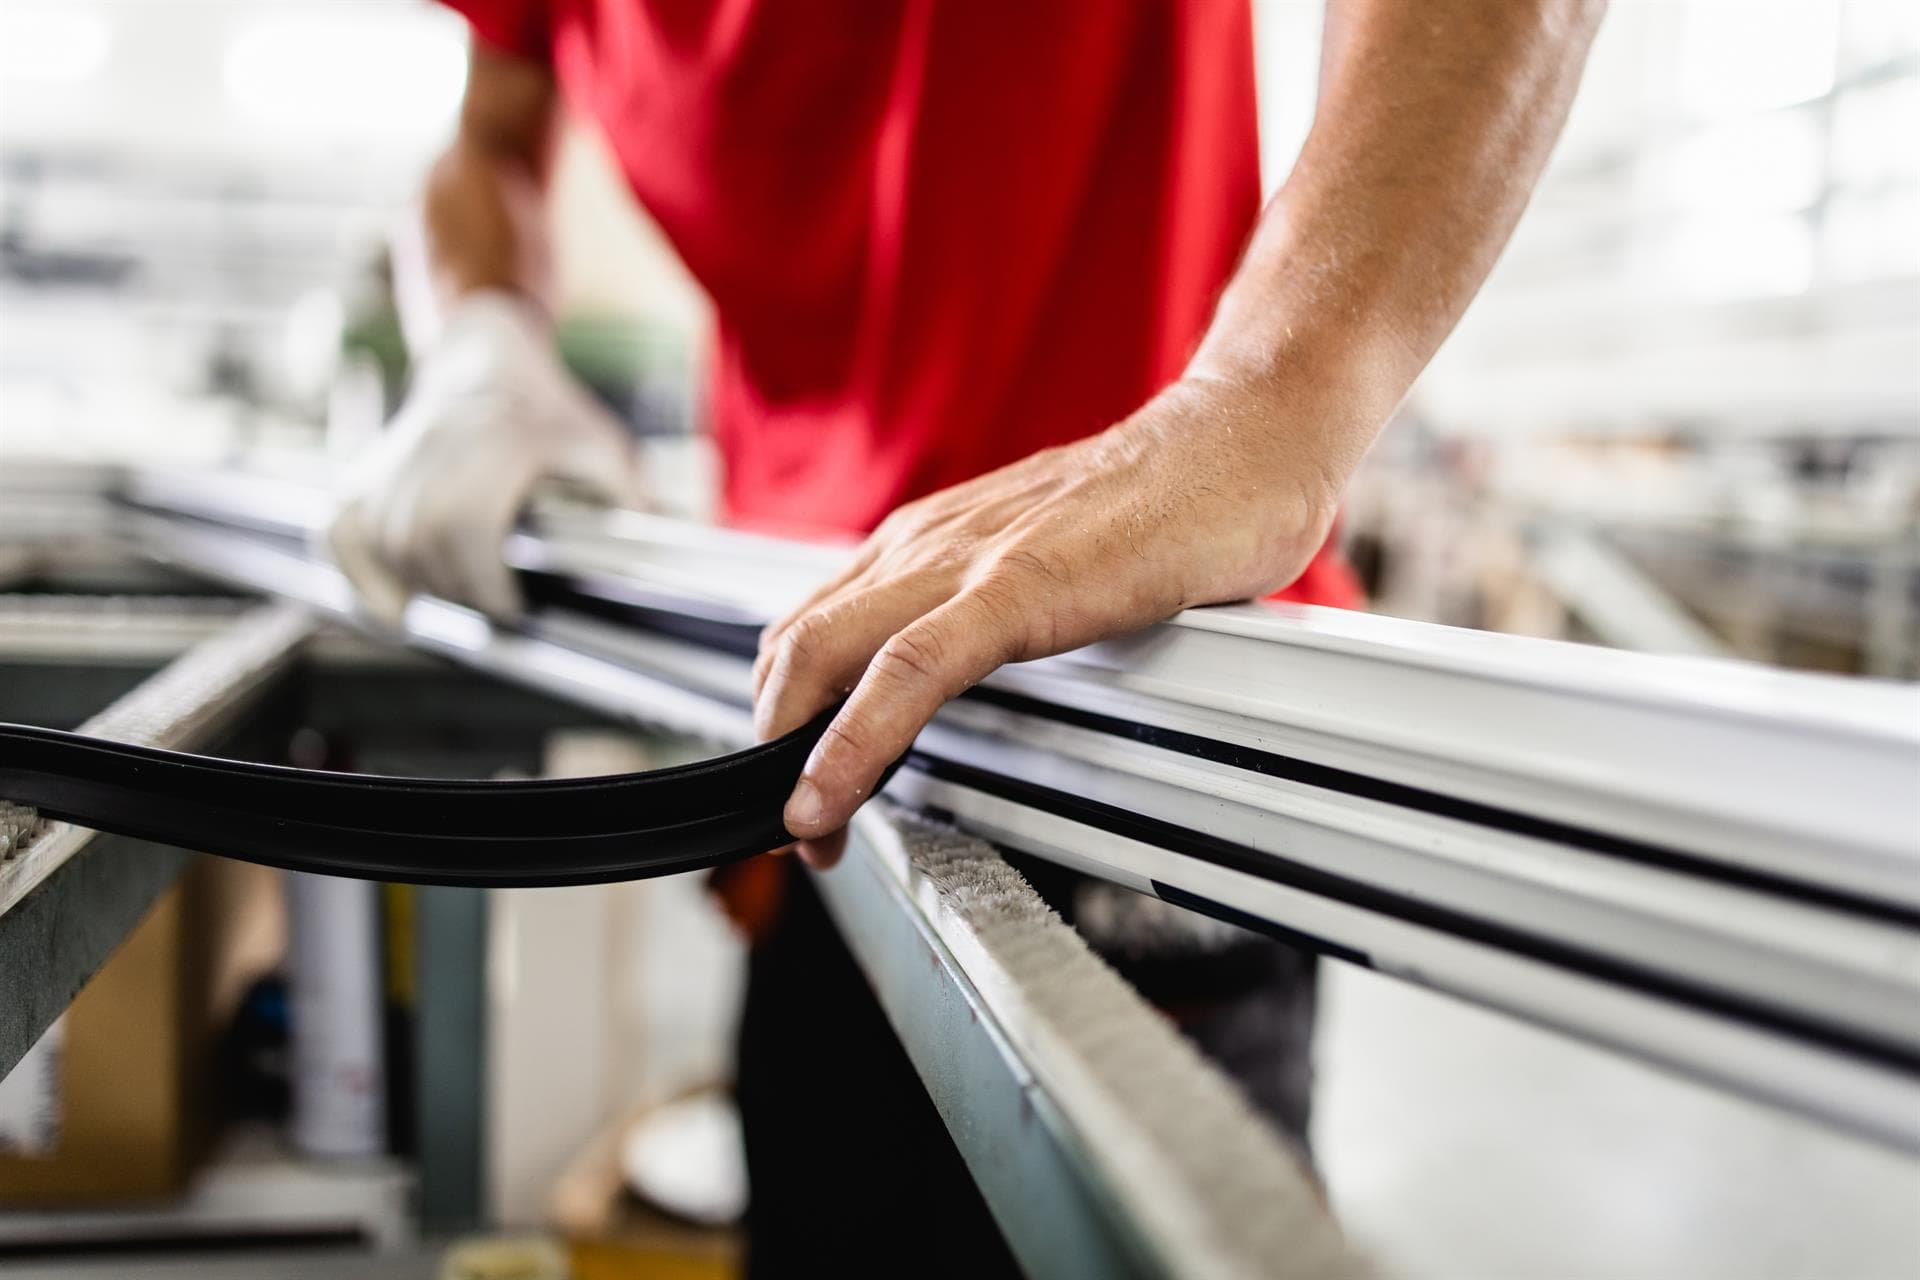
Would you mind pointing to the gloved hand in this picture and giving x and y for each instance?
(491, 413)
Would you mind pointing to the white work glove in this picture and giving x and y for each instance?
(490, 414)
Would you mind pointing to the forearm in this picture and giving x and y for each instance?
(485, 202)
(1434, 121)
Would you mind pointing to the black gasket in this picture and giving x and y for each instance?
(417, 830)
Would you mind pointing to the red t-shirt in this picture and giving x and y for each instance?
(938, 236)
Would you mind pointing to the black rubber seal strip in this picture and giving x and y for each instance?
(1282, 870)
(417, 830)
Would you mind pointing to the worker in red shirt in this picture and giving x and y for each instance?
(993, 285)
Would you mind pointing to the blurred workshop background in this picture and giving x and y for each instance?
(1684, 416)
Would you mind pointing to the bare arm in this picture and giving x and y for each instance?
(1434, 122)
(1435, 119)
(490, 411)
(485, 200)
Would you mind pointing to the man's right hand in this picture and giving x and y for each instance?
(491, 413)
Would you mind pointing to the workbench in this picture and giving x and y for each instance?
(1708, 865)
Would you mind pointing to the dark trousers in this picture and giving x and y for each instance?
(851, 1168)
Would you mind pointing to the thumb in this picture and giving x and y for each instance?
(602, 457)
(349, 543)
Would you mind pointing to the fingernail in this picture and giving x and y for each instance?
(803, 808)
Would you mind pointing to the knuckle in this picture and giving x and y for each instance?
(1017, 565)
(916, 654)
(848, 735)
(803, 654)
(803, 642)
(395, 546)
(900, 521)
(773, 633)
(1001, 610)
(998, 593)
(346, 534)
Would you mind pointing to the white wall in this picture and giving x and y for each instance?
(1461, 1144)
(601, 999)
(316, 87)
(1728, 235)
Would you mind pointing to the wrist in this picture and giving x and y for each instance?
(1263, 476)
(1326, 345)
(1319, 393)
(489, 339)
(500, 310)
(1338, 373)
(1294, 436)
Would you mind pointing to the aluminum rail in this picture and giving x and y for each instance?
(1708, 864)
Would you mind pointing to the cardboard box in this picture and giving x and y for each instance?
(124, 1101)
